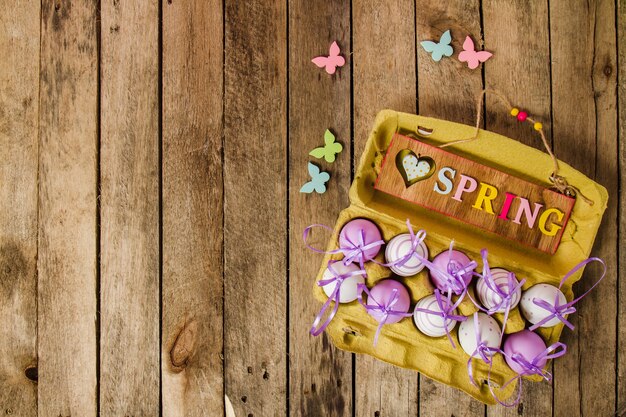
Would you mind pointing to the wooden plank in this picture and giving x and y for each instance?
(453, 99)
(520, 70)
(68, 155)
(255, 207)
(584, 130)
(384, 77)
(487, 198)
(621, 310)
(192, 289)
(129, 356)
(19, 89)
(320, 375)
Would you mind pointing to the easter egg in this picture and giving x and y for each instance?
(348, 290)
(488, 330)
(381, 294)
(431, 324)
(450, 261)
(532, 312)
(361, 232)
(526, 344)
(398, 248)
(489, 298)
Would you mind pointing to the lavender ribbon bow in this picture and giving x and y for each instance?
(453, 274)
(385, 308)
(483, 351)
(334, 297)
(560, 310)
(528, 368)
(447, 309)
(351, 252)
(506, 296)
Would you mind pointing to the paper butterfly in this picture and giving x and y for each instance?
(332, 61)
(329, 150)
(318, 180)
(471, 56)
(441, 49)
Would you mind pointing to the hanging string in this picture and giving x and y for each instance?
(559, 182)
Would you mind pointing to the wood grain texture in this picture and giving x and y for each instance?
(518, 34)
(447, 90)
(19, 89)
(621, 163)
(584, 112)
(320, 375)
(68, 140)
(384, 77)
(192, 288)
(255, 208)
(129, 155)
(493, 215)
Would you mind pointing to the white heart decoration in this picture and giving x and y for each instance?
(414, 169)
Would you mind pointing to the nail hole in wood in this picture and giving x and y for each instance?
(57, 7)
(244, 399)
(249, 369)
(31, 373)
(313, 387)
(266, 375)
(376, 413)
(250, 415)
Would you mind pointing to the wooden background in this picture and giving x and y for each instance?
(151, 154)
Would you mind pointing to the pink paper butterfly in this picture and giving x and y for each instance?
(471, 56)
(332, 61)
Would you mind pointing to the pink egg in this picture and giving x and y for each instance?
(527, 344)
(381, 293)
(491, 299)
(450, 262)
(351, 234)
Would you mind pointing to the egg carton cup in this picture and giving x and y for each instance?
(402, 344)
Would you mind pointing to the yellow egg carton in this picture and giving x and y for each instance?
(401, 344)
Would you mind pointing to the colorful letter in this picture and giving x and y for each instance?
(447, 182)
(524, 208)
(466, 185)
(544, 219)
(506, 206)
(486, 195)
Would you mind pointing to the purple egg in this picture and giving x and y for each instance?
(381, 293)
(527, 344)
(449, 262)
(350, 237)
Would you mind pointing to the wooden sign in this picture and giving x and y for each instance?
(476, 194)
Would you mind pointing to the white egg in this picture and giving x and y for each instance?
(398, 248)
(348, 290)
(491, 299)
(431, 324)
(489, 333)
(532, 312)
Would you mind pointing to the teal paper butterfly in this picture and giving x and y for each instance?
(441, 49)
(318, 180)
(329, 150)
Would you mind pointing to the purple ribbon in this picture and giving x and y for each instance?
(561, 310)
(506, 297)
(446, 312)
(385, 308)
(528, 368)
(453, 274)
(334, 297)
(351, 252)
(485, 352)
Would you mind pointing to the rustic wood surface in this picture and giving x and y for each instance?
(152, 152)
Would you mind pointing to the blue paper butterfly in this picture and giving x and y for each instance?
(441, 49)
(318, 180)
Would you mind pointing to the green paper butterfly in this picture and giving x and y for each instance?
(441, 49)
(318, 180)
(329, 150)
